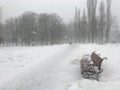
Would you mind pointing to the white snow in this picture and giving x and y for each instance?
(56, 68)
(110, 78)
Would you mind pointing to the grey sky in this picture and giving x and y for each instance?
(64, 8)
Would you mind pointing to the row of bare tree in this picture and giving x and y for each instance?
(93, 28)
(48, 29)
(33, 29)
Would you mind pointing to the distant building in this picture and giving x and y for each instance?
(1, 20)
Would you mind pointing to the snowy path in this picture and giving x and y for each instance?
(56, 68)
(55, 73)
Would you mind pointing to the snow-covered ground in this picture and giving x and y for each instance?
(56, 68)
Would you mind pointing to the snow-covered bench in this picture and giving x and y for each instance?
(91, 66)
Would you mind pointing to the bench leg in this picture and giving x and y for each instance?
(97, 77)
(85, 75)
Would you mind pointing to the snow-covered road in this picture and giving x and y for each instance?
(55, 73)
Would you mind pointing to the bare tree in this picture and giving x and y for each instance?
(84, 29)
(101, 22)
(77, 25)
(91, 5)
(108, 24)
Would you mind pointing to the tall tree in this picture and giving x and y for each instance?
(101, 22)
(84, 31)
(10, 31)
(108, 25)
(77, 25)
(91, 5)
(28, 27)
